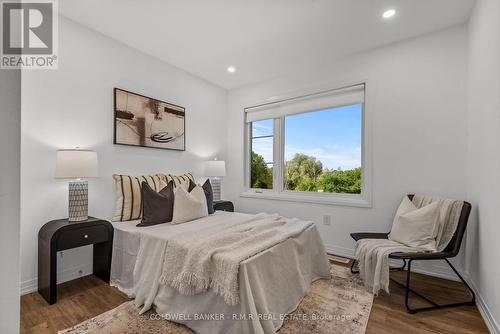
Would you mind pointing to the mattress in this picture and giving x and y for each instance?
(272, 283)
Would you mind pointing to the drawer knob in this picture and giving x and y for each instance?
(86, 236)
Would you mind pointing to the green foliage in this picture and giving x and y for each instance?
(261, 175)
(306, 173)
(302, 172)
(341, 181)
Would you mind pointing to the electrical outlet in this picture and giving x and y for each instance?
(80, 272)
(327, 220)
(61, 254)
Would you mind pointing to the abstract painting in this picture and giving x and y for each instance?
(148, 122)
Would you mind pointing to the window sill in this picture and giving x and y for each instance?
(314, 198)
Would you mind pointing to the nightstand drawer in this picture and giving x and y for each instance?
(82, 236)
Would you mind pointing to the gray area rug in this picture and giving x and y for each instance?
(338, 305)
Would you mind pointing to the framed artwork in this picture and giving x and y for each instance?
(148, 122)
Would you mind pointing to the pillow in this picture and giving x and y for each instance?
(209, 194)
(178, 180)
(128, 195)
(189, 205)
(416, 227)
(157, 207)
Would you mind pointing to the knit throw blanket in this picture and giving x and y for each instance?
(210, 258)
(373, 254)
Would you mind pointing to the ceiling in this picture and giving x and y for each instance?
(262, 39)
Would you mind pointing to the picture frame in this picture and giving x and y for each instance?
(144, 121)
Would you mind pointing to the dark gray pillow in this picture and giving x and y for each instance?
(209, 194)
(157, 207)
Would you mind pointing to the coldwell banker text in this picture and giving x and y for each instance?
(29, 34)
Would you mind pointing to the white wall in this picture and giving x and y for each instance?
(484, 156)
(10, 133)
(73, 106)
(417, 102)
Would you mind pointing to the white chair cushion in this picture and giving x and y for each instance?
(415, 227)
(189, 205)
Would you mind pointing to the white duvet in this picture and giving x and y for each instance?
(271, 283)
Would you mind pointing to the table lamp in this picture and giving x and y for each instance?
(77, 164)
(215, 169)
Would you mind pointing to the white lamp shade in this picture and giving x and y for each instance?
(215, 168)
(76, 164)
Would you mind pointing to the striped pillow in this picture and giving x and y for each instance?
(128, 194)
(178, 180)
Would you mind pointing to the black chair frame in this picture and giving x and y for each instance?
(450, 251)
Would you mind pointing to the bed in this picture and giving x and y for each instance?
(271, 283)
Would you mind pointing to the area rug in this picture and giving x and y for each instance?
(338, 305)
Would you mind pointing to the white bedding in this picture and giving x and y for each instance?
(272, 283)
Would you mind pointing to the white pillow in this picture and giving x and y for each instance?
(416, 227)
(189, 205)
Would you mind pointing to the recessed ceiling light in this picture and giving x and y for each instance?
(231, 69)
(389, 13)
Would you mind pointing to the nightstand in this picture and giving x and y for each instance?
(59, 235)
(224, 206)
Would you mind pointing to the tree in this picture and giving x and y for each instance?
(341, 181)
(302, 172)
(261, 175)
(306, 173)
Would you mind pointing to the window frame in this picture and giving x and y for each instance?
(364, 199)
(248, 175)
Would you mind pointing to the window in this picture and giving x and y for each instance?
(261, 168)
(309, 146)
(323, 150)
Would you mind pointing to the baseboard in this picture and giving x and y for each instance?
(444, 272)
(340, 251)
(483, 308)
(419, 267)
(65, 275)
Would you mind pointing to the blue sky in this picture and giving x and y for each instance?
(333, 136)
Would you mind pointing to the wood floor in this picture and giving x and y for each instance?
(87, 297)
(77, 300)
(389, 314)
